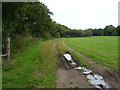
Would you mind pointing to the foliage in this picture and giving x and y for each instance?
(109, 30)
(22, 41)
(78, 33)
(97, 32)
(118, 30)
(33, 19)
(25, 19)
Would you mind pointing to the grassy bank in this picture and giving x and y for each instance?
(103, 49)
(34, 66)
(47, 65)
(61, 48)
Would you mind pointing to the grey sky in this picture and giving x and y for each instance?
(83, 14)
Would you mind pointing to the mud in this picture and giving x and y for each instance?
(67, 77)
(94, 79)
(110, 76)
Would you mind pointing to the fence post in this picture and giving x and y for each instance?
(8, 49)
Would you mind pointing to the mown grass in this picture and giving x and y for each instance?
(22, 70)
(102, 48)
(61, 48)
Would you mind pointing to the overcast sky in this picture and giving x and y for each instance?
(83, 14)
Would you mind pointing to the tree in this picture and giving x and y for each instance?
(97, 32)
(118, 30)
(109, 30)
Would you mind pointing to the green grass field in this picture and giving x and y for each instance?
(102, 48)
(34, 66)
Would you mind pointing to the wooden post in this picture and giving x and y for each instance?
(8, 49)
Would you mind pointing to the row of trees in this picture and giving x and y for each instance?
(34, 19)
(26, 18)
(78, 33)
(21, 20)
(109, 30)
(64, 31)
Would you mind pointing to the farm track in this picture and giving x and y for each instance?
(110, 76)
(68, 77)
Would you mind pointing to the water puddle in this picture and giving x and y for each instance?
(95, 79)
(68, 57)
(79, 68)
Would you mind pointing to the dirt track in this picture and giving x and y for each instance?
(110, 76)
(67, 77)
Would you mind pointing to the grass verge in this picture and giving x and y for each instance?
(47, 65)
(33, 67)
(61, 48)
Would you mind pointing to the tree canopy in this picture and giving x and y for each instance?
(34, 19)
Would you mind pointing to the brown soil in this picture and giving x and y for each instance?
(67, 77)
(109, 75)
(38, 74)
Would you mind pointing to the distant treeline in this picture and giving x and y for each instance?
(23, 21)
(34, 19)
(109, 30)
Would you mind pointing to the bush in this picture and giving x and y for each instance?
(22, 41)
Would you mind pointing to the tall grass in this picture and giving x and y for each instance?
(47, 65)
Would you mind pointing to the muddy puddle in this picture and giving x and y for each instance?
(94, 79)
